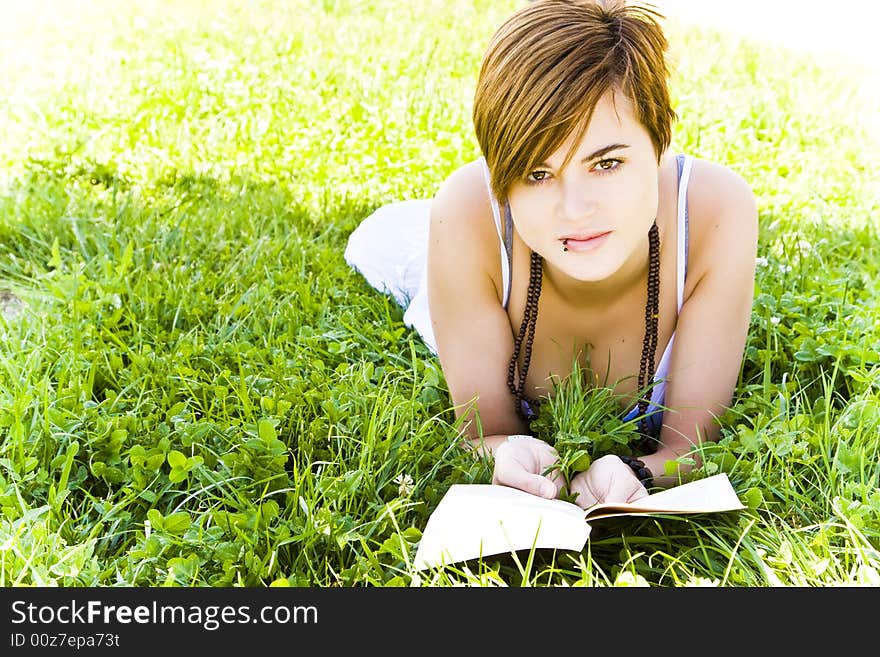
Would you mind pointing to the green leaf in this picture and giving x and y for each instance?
(754, 498)
(396, 581)
(183, 570)
(156, 519)
(266, 430)
(581, 463)
(847, 460)
(412, 534)
(177, 475)
(749, 439)
(148, 495)
(177, 523)
(176, 459)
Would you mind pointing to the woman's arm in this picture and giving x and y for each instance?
(712, 327)
(474, 340)
(471, 328)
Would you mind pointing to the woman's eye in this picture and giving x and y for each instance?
(608, 165)
(537, 176)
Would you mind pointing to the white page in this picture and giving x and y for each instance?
(698, 496)
(474, 520)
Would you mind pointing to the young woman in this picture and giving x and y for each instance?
(579, 233)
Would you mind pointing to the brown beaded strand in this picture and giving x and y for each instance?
(526, 406)
(652, 314)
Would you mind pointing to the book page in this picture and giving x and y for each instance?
(699, 496)
(474, 520)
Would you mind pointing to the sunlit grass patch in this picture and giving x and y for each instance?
(196, 389)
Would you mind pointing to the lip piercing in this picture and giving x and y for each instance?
(565, 245)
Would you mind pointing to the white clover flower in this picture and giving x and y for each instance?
(804, 245)
(762, 261)
(775, 320)
(697, 581)
(11, 307)
(404, 483)
(627, 579)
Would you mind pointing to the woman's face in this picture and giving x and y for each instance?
(601, 205)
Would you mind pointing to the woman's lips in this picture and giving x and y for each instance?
(588, 244)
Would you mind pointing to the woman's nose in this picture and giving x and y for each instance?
(576, 203)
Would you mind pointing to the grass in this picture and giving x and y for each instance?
(195, 389)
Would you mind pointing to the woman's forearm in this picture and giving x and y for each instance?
(486, 445)
(680, 470)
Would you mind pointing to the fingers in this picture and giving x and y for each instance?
(527, 464)
(546, 455)
(581, 488)
(549, 463)
(623, 486)
(639, 493)
(558, 481)
(553, 473)
(585, 498)
(608, 480)
(531, 483)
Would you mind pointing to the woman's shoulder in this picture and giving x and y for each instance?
(465, 191)
(462, 207)
(715, 187)
(462, 226)
(722, 215)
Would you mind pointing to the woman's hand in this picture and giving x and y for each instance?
(520, 462)
(608, 479)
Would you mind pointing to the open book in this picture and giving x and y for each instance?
(474, 520)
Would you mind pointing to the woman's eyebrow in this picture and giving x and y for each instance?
(594, 155)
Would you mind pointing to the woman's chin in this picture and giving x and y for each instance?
(595, 271)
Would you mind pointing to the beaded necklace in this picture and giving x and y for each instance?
(526, 407)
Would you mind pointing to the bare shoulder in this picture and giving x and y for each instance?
(462, 202)
(462, 226)
(716, 189)
(723, 217)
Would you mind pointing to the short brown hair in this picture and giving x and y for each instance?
(545, 70)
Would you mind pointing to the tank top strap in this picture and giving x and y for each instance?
(508, 251)
(496, 215)
(685, 163)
